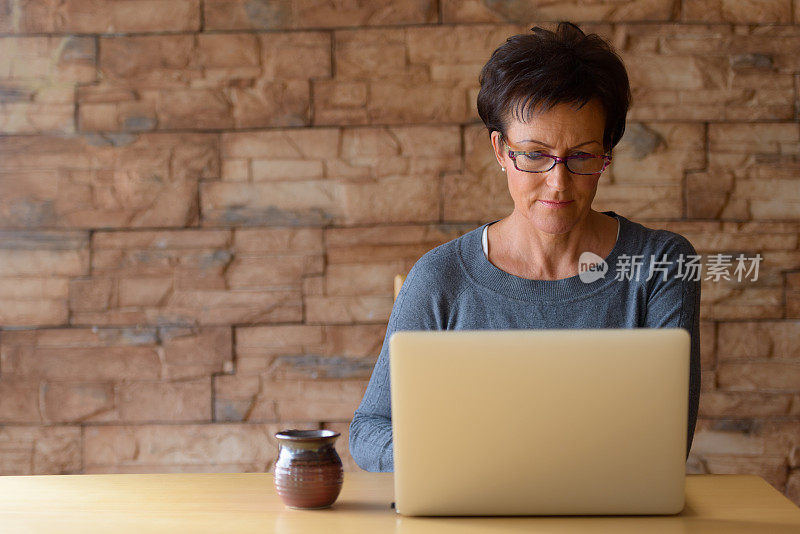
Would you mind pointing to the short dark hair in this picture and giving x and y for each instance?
(534, 72)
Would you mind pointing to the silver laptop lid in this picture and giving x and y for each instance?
(530, 422)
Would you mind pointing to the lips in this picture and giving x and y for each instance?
(556, 204)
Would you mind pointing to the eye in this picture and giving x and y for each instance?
(533, 156)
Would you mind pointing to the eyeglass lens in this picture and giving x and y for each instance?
(539, 163)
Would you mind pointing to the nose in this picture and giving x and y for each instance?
(558, 177)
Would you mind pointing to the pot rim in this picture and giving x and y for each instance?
(306, 435)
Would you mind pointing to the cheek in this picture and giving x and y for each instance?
(521, 184)
(585, 188)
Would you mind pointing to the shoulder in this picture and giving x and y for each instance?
(440, 269)
(431, 288)
(656, 242)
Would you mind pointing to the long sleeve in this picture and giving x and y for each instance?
(416, 308)
(371, 428)
(675, 302)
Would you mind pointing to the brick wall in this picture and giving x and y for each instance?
(203, 204)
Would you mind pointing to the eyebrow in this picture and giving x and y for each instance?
(548, 146)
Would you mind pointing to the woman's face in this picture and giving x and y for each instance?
(556, 200)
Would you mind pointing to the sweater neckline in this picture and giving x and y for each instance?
(484, 273)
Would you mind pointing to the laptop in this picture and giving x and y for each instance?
(539, 422)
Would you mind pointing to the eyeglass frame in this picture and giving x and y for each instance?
(556, 160)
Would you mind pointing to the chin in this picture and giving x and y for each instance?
(553, 223)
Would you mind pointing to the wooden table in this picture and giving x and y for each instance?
(247, 502)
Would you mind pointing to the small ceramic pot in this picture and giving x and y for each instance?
(308, 473)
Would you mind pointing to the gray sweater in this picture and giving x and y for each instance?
(454, 287)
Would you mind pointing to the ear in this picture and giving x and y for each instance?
(499, 148)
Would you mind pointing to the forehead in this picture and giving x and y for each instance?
(564, 123)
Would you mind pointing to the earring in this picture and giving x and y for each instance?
(503, 169)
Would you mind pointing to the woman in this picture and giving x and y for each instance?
(555, 105)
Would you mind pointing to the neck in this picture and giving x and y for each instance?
(553, 256)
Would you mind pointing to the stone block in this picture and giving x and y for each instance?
(161, 240)
(86, 16)
(641, 202)
(422, 75)
(47, 253)
(90, 295)
(179, 447)
(20, 402)
(298, 203)
(192, 277)
(342, 102)
(752, 12)
(235, 396)
(344, 310)
(793, 486)
(38, 77)
(144, 291)
(79, 402)
(731, 237)
(242, 15)
(308, 400)
(776, 340)
(294, 144)
(45, 450)
(87, 363)
(32, 118)
(114, 375)
(33, 312)
(257, 346)
(361, 279)
(708, 345)
(403, 102)
(196, 352)
(265, 271)
(348, 349)
(174, 401)
(737, 75)
(766, 376)
(145, 180)
(470, 11)
(278, 240)
(356, 341)
(35, 269)
(216, 81)
(708, 381)
(353, 177)
(748, 182)
(746, 139)
(727, 437)
(313, 367)
(656, 153)
(782, 437)
(793, 295)
(388, 244)
(726, 302)
(220, 307)
(743, 404)
(280, 337)
(277, 258)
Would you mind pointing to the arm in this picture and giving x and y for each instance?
(675, 303)
(371, 429)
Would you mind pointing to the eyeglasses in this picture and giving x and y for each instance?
(582, 163)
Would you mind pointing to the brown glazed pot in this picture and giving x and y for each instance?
(308, 473)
